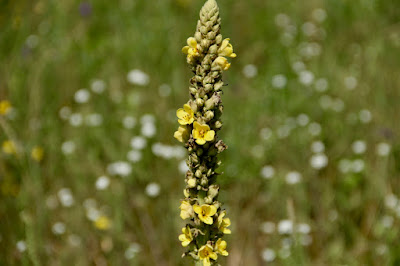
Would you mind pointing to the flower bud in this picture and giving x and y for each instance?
(213, 49)
(193, 90)
(192, 182)
(211, 35)
(204, 181)
(213, 191)
(218, 39)
(208, 200)
(209, 115)
(218, 85)
(199, 102)
(198, 173)
(221, 146)
(203, 30)
(218, 124)
(212, 102)
(186, 193)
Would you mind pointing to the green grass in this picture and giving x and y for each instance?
(346, 211)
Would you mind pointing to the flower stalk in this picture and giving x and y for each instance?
(199, 122)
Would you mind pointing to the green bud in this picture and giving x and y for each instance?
(193, 90)
(218, 39)
(204, 181)
(198, 173)
(199, 102)
(213, 191)
(209, 115)
(208, 200)
(212, 102)
(213, 49)
(192, 182)
(218, 85)
(218, 124)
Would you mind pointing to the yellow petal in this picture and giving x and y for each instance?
(233, 55)
(209, 135)
(226, 231)
(187, 109)
(214, 256)
(227, 222)
(200, 141)
(185, 49)
(186, 243)
(180, 113)
(212, 210)
(192, 42)
(197, 209)
(182, 237)
(207, 220)
(196, 125)
(178, 136)
(206, 262)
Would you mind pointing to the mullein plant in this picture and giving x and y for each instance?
(199, 121)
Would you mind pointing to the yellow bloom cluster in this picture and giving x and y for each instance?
(201, 132)
(199, 121)
(9, 147)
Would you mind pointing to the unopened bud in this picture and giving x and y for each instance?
(209, 115)
(213, 49)
(213, 191)
(186, 193)
(191, 182)
(204, 181)
(218, 39)
(199, 102)
(208, 200)
(218, 124)
(198, 173)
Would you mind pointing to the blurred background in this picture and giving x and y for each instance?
(90, 173)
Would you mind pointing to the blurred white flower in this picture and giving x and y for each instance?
(267, 172)
(309, 28)
(284, 253)
(102, 183)
(138, 143)
(268, 227)
(365, 116)
(76, 119)
(358, 165)
(279, 81)
(129, 122)
(282, 20)
(383, 149)
(250, 71)
(265, 133)
(359, 146)
(148, 129)
(302, 120)
(183, 168)
(317, 147)
(321, 85)
(337, 105)
(119, 168)
(138, 77)
(65, 197)
(325, 101)
(345, 165)
(350, 82)
(164, 90)
(74, 240)
(134, 156)
(387, 221)
(285, 227)
(314, 129)
(98, 86)
(303, 228)
(32, 41)
(82, 96)
(283, 131)
(306, 77)
(68, 147)
(94, 120)
(319, 161)
(65, 112)
(153, 189)
(51, 202)
(298, 66)
(58, 228)
(92, 214)
(293, 177)
(319, 14)
(268, 255)
(391, 201)
(309, 49)
(21, 246)
(132, 250)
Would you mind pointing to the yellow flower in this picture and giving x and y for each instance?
(186, 237)
(5, 107)
(191, 48)
(205, 212)
(223, 223)
(37, 153)
(226, 49)
(202, 133)
(182, 134)
(186, 210)
(185, 115)
(102, 223)
(205, 253)
(9, 147)
(221, 62)
(220, 247)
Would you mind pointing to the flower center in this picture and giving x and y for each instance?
(202, 132)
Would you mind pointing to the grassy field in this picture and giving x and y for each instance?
(90, 173)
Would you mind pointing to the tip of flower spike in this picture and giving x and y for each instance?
(209, 5)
